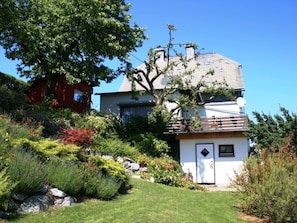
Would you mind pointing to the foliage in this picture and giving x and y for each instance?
(147, 143)
(46, 148)
(165, 170)
(62, 37)
(11, 130)
(268, 184)
(270, 131)
(12, 90)
(111, 169)
(81, 137)
(50, 126)
(114, 147)
(6, 188)
(65, 175)
(104, 178)
(101, 187)
(105, 125)
(136, 125)
(25, 169)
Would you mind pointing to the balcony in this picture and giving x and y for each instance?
(236, 123)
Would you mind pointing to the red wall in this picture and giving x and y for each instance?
(63, 94)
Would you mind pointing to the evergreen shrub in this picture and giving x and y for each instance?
(147, 143)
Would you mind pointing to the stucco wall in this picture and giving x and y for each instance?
(224, 166)
(110, 102)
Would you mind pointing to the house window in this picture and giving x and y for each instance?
(135, 111)
(78, 96)
(226, 151)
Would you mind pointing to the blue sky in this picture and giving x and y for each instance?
(260, 35)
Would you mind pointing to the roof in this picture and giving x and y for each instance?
(224, 68)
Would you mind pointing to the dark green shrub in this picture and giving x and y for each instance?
(268, 185)
(136, 125)
(65, 175)
(147, 143)
(25, 169)
(51, 126)
(12, 93)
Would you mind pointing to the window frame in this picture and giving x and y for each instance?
(228, 150)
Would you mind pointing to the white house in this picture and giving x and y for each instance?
(212, 152)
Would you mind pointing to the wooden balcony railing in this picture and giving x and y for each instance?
(210, 124)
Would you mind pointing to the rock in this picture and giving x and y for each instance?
(130, 164)
(56, 192)
(65, 202)
(19, 197)
(44, 189)
(35, 203)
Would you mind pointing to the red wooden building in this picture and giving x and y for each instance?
(77, 97)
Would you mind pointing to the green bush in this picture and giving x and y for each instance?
(147, 143)
(6, 188)
(136, 125)
(65, 175)
(25, 169)
(268, 185)
(105, 125)
(101, 187)
(114, 147)
(110, 169)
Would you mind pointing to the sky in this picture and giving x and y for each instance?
(261, 35)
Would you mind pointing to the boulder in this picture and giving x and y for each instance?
(36, 203)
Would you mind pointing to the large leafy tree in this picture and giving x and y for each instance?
(74, 38)
(179, 89)
(270, 131)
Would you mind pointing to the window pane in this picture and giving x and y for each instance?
(78, 96)
(226, 151)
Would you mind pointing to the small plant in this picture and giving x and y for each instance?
(25, 169)
(65, 175)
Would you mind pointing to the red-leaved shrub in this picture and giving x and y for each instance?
(79, 136)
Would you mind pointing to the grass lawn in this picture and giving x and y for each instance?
(148, 202)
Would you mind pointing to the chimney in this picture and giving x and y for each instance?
(190, 51)
(160, 53)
